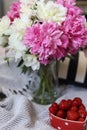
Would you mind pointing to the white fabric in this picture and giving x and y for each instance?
(18, 113)
(11, 78)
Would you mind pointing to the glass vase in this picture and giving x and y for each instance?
(48, 89)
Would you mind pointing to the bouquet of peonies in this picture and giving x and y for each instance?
(39, 32)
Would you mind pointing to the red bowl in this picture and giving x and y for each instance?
(64, 124)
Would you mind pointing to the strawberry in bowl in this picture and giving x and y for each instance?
(68, 114)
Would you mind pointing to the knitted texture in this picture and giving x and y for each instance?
(15, 82)
(17, 112)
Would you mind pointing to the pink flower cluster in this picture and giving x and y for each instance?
(74, 27)
(76, 33)
(66, 2)
(14, 11)
(49, 41)
(44, 40)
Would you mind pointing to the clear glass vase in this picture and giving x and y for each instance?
(48, 89)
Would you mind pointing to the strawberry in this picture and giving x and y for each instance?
(82, 113)
(82, 107)
(61, 114)
(77, 101)
(69, 101)
(74, 108)
(55, 106)
(63, 105)
(52, 110)
(72, 115)
(69, 109)
(81, 119)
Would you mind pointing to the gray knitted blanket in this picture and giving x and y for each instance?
(19, 113)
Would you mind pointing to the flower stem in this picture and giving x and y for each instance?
(43, 95)
(48, 81)
(38, 92)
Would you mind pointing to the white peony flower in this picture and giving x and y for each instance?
(19, 26)
(31, 61)
(4, 25)
(25, 19)
(17, 45)
(18, 55)
(51, 11)
(27, 11)
(30, 2)
(16, 32)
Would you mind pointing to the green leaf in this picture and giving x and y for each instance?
(70, 56)
(24, 69)
(7, 60)
(20, 63)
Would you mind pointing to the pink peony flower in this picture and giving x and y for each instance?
(74, 28)
(46, 41)
(14, 11)
(72, 9)
(50, 41)
(66, 2)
